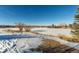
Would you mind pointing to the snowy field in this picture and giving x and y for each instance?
(53, 31)
(24, 45)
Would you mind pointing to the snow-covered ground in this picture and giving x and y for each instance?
(19, 45)
(56, 32)
(24, 45)
(52, 31)
(64, 42)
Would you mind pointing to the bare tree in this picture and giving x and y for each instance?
(20, 26)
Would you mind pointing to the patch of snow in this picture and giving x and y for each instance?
(19, 45)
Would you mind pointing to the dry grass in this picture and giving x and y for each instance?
(69, 38)
(47, 46)
(50, 43)
(50, 46)
(66, 37)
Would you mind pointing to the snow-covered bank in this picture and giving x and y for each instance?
(56, 32)
(24, 45)
(19, 45)
(64, 42)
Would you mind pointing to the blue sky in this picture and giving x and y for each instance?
(37, 14)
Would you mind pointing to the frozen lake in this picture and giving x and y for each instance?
(53, 31)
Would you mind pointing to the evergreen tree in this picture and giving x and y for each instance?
(76, 24)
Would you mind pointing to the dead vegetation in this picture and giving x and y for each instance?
(50, 46)
(50, 43)
(69, 38)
